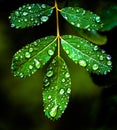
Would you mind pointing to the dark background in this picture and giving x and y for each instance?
(93, 101)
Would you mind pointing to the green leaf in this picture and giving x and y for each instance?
(56, 88)
(30, 15)
(86, 54)
(109, 17)
(81, 18)
(33, 56)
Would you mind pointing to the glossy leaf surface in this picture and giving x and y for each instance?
(30, 15)
(56, 89)
(81, 18)
(33, 56)
(86, 54)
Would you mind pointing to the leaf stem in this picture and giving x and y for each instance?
(57, 26)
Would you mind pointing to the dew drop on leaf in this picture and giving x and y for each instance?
(67, 75)
(44, 18)
(95, 48)
(53, 111)
(95, 67)
(108, 57)
(49, 97)
(101, 57)
(82, 63)
(97, 18)
(17, 13)
(43, 6)
(68, 90)
(31, 49)
(50, 52)
(49, 73)
(78, 25)
(37, 63)
(63, 80)
(30, 67)
(109, 63)
(27, 55)
(25, 13)
(61, 91)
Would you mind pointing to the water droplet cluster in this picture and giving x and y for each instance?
(56, 89)
(86, 54)
(30, 15)
(33, 56)
(81, 18)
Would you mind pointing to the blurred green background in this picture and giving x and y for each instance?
(93, 100)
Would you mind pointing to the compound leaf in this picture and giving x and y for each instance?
(56, 88)
(86, 54)
(81, 18)
(33, 56)
(30, 15)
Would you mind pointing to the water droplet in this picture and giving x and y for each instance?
(72, 23)
(95, 48)
(108, 57)
(25, 13)
(43, 6)
(44, 18)
(70, 36)
(86, 27)
(27, 55)
(61, 91)
(46, 84)
(83, 63)
(50, 52)
(103, 51)
(30, 66)
(78, 25)
(67, 75)
(97, 19)
(29, 7)
(16, 57)
(37, 63)
(21, 56)
(49, 97)
(101, 57)
(69, 90)
(53, 111)
(49, 73)
(105, 73)
(21, 75)
(95, 67)
(30, 49)
(77, 10)
(109, 63)
(78, 46)
(12, 25)
(67, 51)
(54, 61)
(25, 20)
(83, 12)
(17, 13)
(63, 80)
